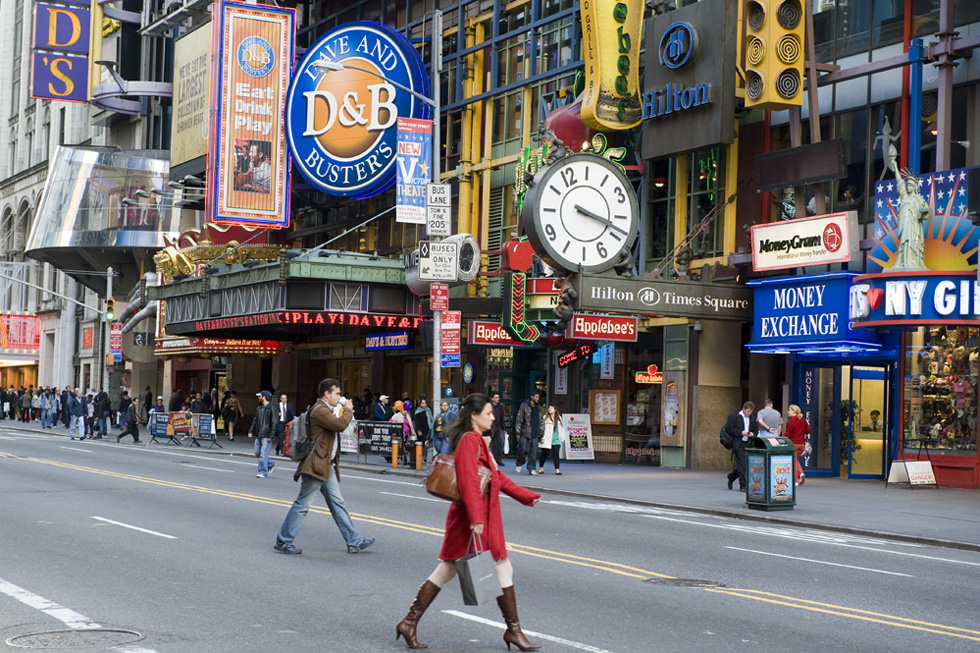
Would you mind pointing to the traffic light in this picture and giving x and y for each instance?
(774, 54)
(110, 309)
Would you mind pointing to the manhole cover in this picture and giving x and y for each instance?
(75, 638)
(683, 582)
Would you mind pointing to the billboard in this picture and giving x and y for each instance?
(414, 156)
(59, 61)
(189, 127)
(820, 240)
(248, 168)
(343, 105)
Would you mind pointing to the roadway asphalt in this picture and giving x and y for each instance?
(947, 517)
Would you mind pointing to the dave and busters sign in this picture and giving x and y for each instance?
(341, 110)
(820, 240)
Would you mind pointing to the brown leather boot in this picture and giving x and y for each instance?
(406, 627)
(513, 635)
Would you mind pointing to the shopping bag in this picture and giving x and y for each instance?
(506, 444)
(478, 575)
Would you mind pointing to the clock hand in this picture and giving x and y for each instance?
(598, 218)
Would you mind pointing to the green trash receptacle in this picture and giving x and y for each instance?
(769, 473)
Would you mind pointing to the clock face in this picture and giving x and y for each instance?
(582, 214)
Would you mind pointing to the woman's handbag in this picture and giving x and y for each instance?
(478, 575)
(441, 479)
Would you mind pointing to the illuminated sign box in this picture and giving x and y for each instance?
(388, 341)
(820, 240)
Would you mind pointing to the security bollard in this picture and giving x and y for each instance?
(418, 456)
(394, 455)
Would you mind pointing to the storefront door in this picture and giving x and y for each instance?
(847, 407)
(868, 422)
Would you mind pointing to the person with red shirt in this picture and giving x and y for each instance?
(797, 428)
(475, 514)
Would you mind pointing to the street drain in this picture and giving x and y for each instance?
(682, 582)
(82, 638)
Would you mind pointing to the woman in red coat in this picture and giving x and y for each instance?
(474, 514)
(797, 428)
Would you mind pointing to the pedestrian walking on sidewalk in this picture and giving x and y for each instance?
(497, 433)
(282, 414)
(78, 409)
(440, 426)
(769, 420)
(797, 430)
(320, 472)
(262, 430)
(231, 412)
(552, 438)
(741, 427)
(475, 514)
(528, 427)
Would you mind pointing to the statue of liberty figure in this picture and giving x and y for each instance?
(912, 210)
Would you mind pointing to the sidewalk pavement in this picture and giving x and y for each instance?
(946, 517)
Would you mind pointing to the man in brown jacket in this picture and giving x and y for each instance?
(320, 471)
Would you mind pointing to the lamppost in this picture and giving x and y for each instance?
(435, 68)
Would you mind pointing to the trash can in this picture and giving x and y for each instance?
(769, 474)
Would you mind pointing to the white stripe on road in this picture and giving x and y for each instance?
(383, 480)
(409, 496)
(135, 528)
(213, 469)
(68, 617)
(820, 562)
(77, 449)
(531, 633)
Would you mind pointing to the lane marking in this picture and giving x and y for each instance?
(851, 613)
(384, 480)
(820, 562)
(77, 449)
(602, 565)
(68, 617)
(409, 496)
(135, 528)
(529, 633)
(213, 469)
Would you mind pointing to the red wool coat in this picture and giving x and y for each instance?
(476, 509)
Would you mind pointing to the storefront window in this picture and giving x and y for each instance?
(645, 410)
(660, 218)
(940, 395)
(705, 184)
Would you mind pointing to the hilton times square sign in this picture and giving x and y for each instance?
(705, 301)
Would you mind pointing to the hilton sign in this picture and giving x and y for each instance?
(704, 301)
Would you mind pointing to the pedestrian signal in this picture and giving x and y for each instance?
(774, 34)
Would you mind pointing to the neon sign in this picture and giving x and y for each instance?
(650, 376)
(516, 289)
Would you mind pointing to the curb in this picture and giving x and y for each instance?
(717, 512)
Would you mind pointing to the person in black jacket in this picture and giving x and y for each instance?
(261, 429)
(740, 426)
(282, 414)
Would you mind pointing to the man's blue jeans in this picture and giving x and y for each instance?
(335, 502)
(262, 446)
(77, 428)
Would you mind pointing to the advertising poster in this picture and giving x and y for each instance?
(755, 473)
(189, 129)
(561, 378)
(248, 178)
(607, 358)
(578, 426)
(348, 438)
(88, 337)
(379, 435)
(781, 478)
(414, 171)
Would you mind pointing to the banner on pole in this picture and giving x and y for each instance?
(414, 170)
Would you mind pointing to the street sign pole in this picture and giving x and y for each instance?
(436, 65)
(108, 333)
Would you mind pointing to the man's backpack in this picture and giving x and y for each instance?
(726, 438)
(296, 442)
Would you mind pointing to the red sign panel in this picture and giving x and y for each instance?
(20, 333)
(451, 322)
(312, 318)
(543, 286)
(439, 297)
(199, 345)
(489, 333)
(603, 327)
(88, 336)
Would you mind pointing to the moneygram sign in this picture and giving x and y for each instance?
(603, 327)
(821, 240)
(341, 124)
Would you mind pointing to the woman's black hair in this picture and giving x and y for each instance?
(472, 405)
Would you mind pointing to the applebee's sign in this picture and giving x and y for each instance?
(916, 299)
(820, 240)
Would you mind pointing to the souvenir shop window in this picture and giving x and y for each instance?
(940, 401)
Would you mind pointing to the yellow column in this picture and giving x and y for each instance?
(680, 198)
(731, 183)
